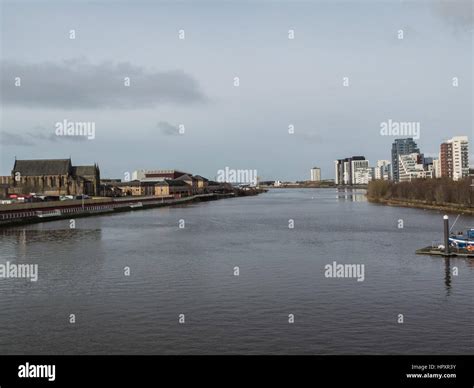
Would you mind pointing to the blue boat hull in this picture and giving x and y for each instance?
(460, 242)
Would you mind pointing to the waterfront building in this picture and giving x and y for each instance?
(411, 167)
(133, 187)
(202, 183)
(138, 175)
(161, 188)
(358, 163)
(401, 147)
(347, 175)
(174, 187)
(160, 183)
(454, 158)
(345, 169)
(54, 177)
(167, 174)
(338, 171)
(382, 170)
(219, 187)
(362, 175)
(158, 175)
(190, 180)
(436, 168)
(315, 174)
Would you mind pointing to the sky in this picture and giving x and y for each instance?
(189, 83)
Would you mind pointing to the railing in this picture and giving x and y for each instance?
(78, 209)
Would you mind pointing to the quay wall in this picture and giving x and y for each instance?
(25, 213)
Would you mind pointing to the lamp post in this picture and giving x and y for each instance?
(446, 235)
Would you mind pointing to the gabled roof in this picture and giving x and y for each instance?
(201, 178)
(36, 167)
(128, 183)
(84, 170)
(161, 173)
(185, 178)
(176, 182)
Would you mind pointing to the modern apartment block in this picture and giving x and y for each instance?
(315, 174)
(361, 172)
(338, 171)
(454, 158)
(383, 170)
(363, 175)
(400, 147)
(436, 168)
(345, 170)
(412, 167)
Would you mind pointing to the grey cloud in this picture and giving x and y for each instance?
(14, 139)
(43, 134)
(310, 137)
(167, 128)
(78, 84)
(33, 137)
(458, 13)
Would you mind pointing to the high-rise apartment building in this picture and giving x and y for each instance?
(436, 168)
(401, 147)
(382, 170)
(411, 167)
(345, 169)
(454, 158)
(315, 174)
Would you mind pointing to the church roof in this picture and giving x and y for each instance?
(36, 167)
(84, 170)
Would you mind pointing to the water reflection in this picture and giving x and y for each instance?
(58, 253)
(447, 275)
(352, 195)
(23, 237)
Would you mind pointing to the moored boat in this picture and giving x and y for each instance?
(461, 240)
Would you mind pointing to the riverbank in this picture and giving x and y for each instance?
(445, 207)
(29, 213)
(442, 194)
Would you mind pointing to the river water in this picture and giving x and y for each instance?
(281, 271)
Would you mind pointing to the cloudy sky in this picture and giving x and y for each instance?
(190, 82)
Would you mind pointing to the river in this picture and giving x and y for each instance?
(281, 277)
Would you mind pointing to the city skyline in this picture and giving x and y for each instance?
(324, 175)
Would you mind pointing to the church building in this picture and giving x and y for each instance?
(54, 177)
